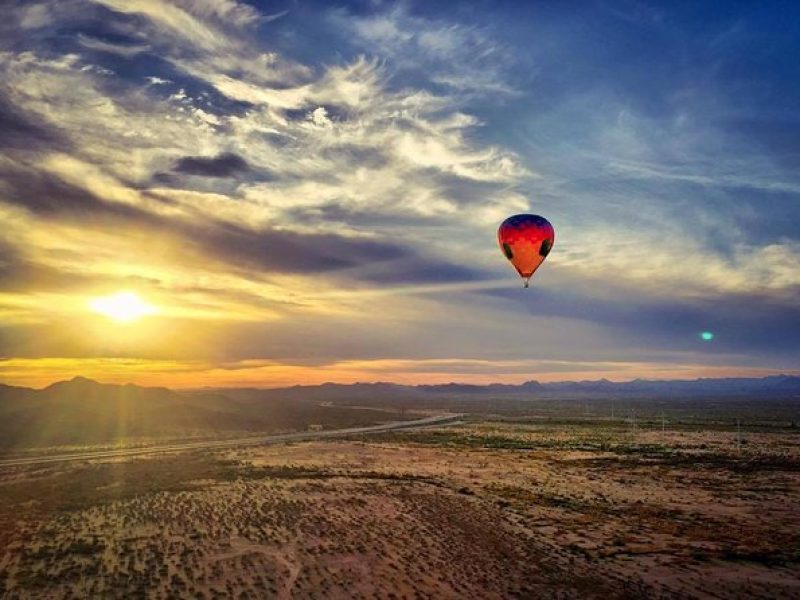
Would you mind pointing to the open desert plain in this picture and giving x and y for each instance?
(483, 506)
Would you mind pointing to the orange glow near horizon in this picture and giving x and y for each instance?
(39, 373)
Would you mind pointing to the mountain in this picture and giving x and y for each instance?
(82, 411)
(602, 388)
(777, 384)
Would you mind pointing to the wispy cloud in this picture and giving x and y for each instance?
(179, 148)
(462, 58)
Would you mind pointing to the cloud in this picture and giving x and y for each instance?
(416, 270)
(238, 14)
(226, 164)
(199, 23)
(25, 132)
(35, 16)
(462, 58)
(21, 274)
(264, 249)
(286, 251)
(126, 50)
(235, 168)
(745, 322)
(50, 196)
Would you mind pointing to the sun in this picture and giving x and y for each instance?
(122, 307)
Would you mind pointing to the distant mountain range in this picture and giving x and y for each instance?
(782, 385)
(82, 411)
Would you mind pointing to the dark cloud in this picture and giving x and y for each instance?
(371, 218)
(419, 270)
(49, 196)
(357, 156)
(287, 251)
(22, 131)
(226, 164)
(261, 250)
(201, 180)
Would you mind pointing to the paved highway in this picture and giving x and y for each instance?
(248, 441)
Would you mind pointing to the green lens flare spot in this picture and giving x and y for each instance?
(706, 336)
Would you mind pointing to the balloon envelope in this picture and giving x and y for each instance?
(526, 240)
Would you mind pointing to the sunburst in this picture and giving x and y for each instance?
(122, 307)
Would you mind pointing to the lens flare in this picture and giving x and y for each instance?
(122, 307)
(706, 336)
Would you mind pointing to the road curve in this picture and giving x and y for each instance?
(248, 441)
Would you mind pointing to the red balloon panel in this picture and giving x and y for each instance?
(526, 240)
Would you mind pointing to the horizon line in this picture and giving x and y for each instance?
(421, 384)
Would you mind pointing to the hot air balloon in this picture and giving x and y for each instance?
(526, 240)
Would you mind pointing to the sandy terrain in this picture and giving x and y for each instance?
(488, 510)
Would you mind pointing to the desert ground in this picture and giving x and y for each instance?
(493, 507)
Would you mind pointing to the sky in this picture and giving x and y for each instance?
(300, 192)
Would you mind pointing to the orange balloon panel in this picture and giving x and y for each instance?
(526, 240)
